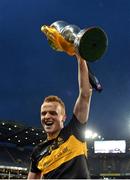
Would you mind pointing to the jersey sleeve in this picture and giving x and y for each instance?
(34, 160)
(33, 167)
(76, 128)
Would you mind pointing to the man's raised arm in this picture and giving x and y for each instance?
(82, 105)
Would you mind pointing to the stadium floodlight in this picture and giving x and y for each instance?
(89, 134)
(95, 135)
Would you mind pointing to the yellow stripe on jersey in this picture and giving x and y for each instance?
(65, 152)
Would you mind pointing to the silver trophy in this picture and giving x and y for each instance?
(90, 43)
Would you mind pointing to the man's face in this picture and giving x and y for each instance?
(52, 117)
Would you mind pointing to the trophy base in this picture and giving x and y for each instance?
(93, 44)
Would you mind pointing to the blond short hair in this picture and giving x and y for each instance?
(53, 98)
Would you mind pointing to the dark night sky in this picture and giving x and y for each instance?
(31, 70)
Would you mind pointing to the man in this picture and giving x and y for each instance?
(64, 154)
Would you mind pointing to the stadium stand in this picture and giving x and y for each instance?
(16, 143)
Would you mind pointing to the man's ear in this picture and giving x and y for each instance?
(64, 118)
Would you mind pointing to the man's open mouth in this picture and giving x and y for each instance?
(49, 123)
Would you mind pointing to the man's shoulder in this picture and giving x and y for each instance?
(67, 130)
(76, 128)
(72, 121)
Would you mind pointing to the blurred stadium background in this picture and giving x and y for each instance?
(107, 158)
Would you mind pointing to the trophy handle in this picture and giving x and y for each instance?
(57, 41)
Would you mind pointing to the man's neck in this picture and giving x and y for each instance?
(51, 136)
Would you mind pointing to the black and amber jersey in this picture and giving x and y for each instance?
(64, 157)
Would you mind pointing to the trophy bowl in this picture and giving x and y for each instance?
(91, 43)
